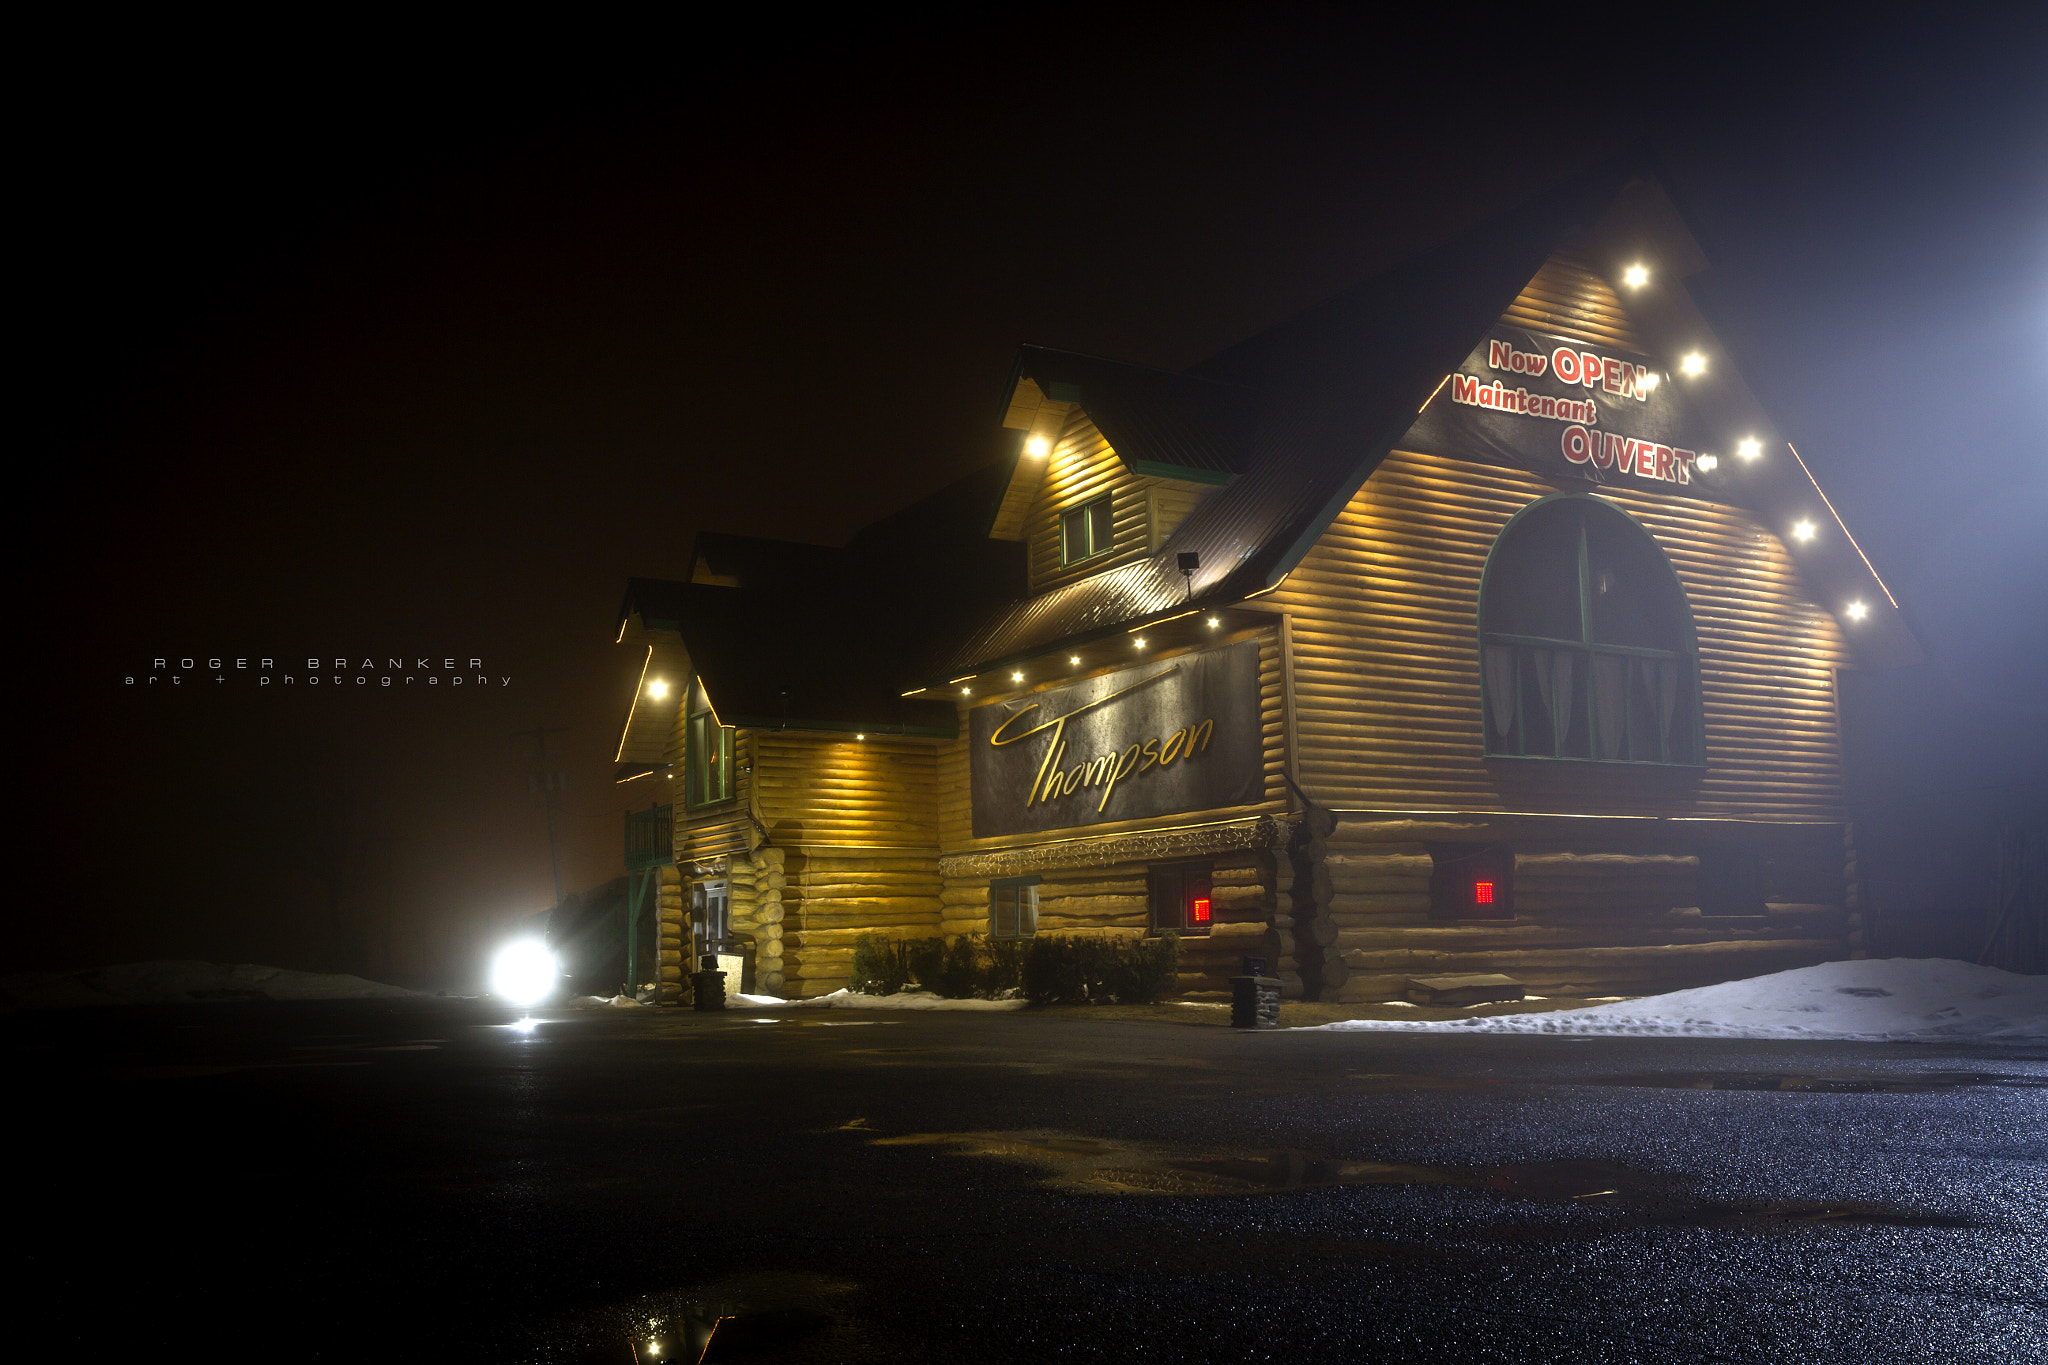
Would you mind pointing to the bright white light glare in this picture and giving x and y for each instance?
(1139, 642)
(860, 736)
(657, 689)
(1635, 277)
(1857, 611)
(1693, 364)
(1017, 677)
(1038, 447)
(1749, 447)
(1074, 659)
(1706, 462)
(966, 691)
(524, 972)
(1214, 622)
(1803, 530)
(1650, 379)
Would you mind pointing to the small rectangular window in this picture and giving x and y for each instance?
(1086, 531)
(1183, 898)
(707, 757)
(1013, 907)
(1472, 881)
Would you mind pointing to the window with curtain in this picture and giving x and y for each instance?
(1586, 640)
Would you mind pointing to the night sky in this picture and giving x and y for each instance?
(337, 352)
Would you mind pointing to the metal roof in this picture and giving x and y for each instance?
(818, 637)
(1319, 400)
(1158, 422)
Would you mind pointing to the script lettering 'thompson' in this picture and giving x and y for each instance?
(1106, 770)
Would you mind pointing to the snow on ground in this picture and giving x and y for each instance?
(178, 983)
(903, 1000)
(1881, 1000)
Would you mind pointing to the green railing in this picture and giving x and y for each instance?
(650, 838)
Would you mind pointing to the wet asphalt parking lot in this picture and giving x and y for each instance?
(433, 1180)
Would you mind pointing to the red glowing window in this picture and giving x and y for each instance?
(1199, 912)
(1482, 893)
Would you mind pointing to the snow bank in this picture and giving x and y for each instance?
(1882, 1000)
(179, 983)
(903, 1000)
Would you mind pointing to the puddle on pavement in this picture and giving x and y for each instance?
(763, 1316)
(1103, 1166)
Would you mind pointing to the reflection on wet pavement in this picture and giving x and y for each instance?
(1102, 1166)
(762, 1316)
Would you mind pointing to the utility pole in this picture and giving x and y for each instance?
(548, 783)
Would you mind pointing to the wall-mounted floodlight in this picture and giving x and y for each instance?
(1857, 611)
(1802, 530)
(657, 689)
(1038, 447)
(1749, 447)
(1693, 365)
(1635, 277)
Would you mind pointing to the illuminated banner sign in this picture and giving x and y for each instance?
(1177, 735)
(1567, 411)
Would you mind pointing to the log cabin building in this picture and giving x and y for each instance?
(1476, 620)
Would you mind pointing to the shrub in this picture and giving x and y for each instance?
(1005, 969)
(1052, 972)
(1065, 970)
(960, 976)
(927, 961)
(881, 965)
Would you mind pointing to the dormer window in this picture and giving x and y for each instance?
(1085, 532)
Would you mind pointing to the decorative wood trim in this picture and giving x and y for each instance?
(1157, 845)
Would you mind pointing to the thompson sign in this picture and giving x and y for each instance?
(1566, 411)
(1178, 735)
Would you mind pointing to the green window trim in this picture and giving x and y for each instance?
(707, 755)
(1571, 695)
(1087, 532)
(1013, 908)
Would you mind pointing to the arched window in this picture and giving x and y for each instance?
(1585, 640)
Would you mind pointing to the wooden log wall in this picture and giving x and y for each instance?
(1081, 468)
(819, 790)
(672, 940)
(1383, 620)
(1113, 899)
(1619, 919)
(755, 887)
(831, 896)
